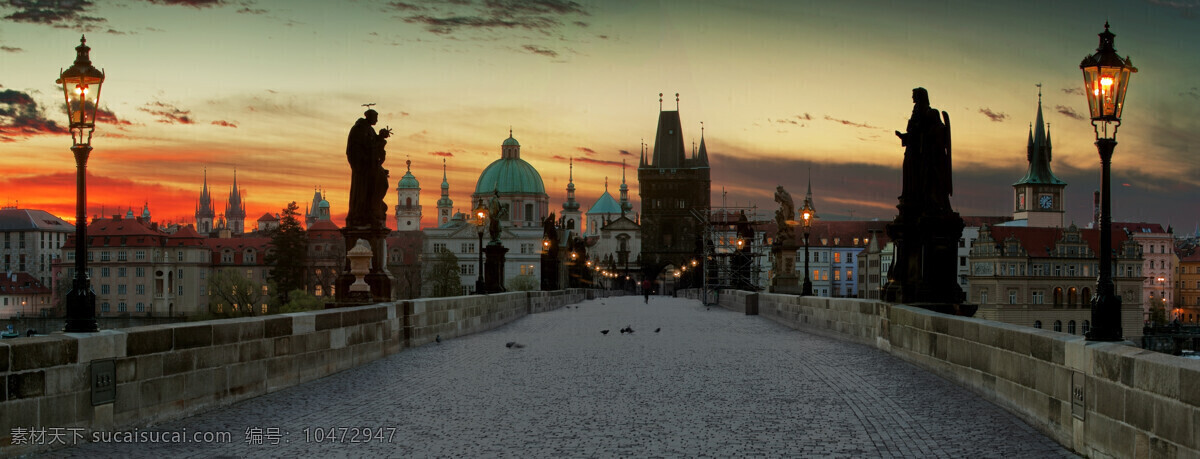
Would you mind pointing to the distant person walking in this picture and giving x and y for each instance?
(646, 289)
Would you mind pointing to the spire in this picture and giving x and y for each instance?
(669, 150)
(571, 205)
(445, 183)
(626, 206)
(1038, 153)
(702, 158)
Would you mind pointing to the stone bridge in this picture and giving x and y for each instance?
(794, 377)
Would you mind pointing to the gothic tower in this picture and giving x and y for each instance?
(1038, 196)
(235, 211)
(627, 206)
(408, 201)
(572, 220)
(204, 209)
(444, 204)
(674, 190)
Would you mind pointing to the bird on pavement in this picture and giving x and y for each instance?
(656, 330)
(438, 338)
(514, 345)
(603, 332)
(510, 344)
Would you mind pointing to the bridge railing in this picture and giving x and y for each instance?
(119, 380)
(1099, 399)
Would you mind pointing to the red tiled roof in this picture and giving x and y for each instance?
(120, 232)
(267, 217)
(186, 236)
(21, 283)
(324, 229)
(1038, 241)
(1140, 227)
(239, 245)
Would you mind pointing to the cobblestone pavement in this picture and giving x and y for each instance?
(712, 383)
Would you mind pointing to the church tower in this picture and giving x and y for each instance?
(674, 189)
(235, 211)
(408, 201)
(627, 206)
(1038, 196)
(204, 209)
(570, 213)
(444, 204)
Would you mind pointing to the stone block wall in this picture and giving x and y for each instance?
(1099, 399)
(165, 372)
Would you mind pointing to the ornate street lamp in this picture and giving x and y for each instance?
(81, 87)
(481, 215)
(1106, 77)
(808, 214)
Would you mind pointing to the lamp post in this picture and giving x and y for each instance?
(1106, 77)
(480, 224)
(81, 88)
(808, 214)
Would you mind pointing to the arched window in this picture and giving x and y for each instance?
(1071, 327)
(1058, 325)
(1037, 324)
(1058, 297)
(571, 224)
(1071, 297)
(408, 202)
(529, 212)
(1085, 300)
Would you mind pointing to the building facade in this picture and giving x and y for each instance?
(675, 197)
(32, 242)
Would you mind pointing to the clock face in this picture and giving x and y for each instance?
(1046, 201)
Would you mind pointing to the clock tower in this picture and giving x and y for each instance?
(1038, 196)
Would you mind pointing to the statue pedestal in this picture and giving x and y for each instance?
(493, 267)
(925, 265)
(378, 277)
(783, 262)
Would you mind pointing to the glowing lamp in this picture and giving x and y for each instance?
(1105, 79)
(81, 88)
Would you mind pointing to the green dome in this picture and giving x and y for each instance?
(605, 205)
(408, 181)
(323, 204)
(510, 176)
(510, 142)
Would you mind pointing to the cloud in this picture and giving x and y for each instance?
(1187, 9)
(168, 114)
(20, 117)
(444, 154)
(540, 50)
(401, 6)
(108, 117)
(586, 150)
(10, 49)
(192, 3)
(224, 123)
(248, 10)
(602, 37)
(626, 153)
(1074, 91)
(785, 121)
(994, 116)
(1069, 112)
(850, 123)
(1194, 93)
(57, 13)
(586, 160)
(543, 16)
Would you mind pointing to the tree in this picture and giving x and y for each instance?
(300, 300)
(522, 283)
(288, 260)
(443, 275)
(232, 293)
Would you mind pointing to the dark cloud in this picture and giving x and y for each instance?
(850, 123)
(108, 117)
(545, 16)
(626, 153)
(586, 150)
(805, 117)
(192, 3)
(57, 13)
(444, 154)
(224, 123)
(580, 23)
(401, 6)
(785, 121)
(1074, 91)
(168, 114)
(1069, 112)
(1194, 93)
(602, 37)
(115, 32)
(20, 117)
(248, 10)
(994, 116)
(587, 160)
(540, 50)
(10, 49)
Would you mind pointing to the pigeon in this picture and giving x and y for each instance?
(514, 345)
(510, 344)
(603, 332)
(656, 330)
(438, 338)
(628, 329)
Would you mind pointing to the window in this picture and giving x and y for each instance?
(104, 307)
(227, 256)
(467, 269)
(267, 290)
(1071, 296)
(983, 296)
(179, 255)
(179, 290)
(121, 256)
(104, 272)
(1058, 325)
(104, 256)
(1012, 297)
(140, 289)
(121, 307)
(139, 271)
(318, 291)
(141, 307)
(1058, 297)
(529, 212)
(121, 272)
(439, 247)
(1071, 327)
(837, 275)
(1037, 296)
(249, 256)
(837, 257)
(962, 261)
(849, 274)
(121, 289)
(179, 274)
(103, 289)
(469, 247)
(139, 255)
(1087, 326)
(1037, 324)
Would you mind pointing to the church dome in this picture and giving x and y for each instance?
(605, 205)
(408, 181)
(510, 142)
(510, 176)
(323, 204)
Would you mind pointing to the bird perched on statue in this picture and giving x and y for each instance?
(603, 332)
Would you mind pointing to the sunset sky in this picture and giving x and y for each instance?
(271, 88)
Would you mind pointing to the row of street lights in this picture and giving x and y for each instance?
(1106, 79)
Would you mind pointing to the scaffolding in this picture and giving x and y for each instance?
(734, 250)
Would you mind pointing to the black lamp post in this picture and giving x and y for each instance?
(81, 87)
(480, 225)
(1106, 77)
(809, 215)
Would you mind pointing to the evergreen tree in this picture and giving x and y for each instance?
(443, 275)
(288, 261)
